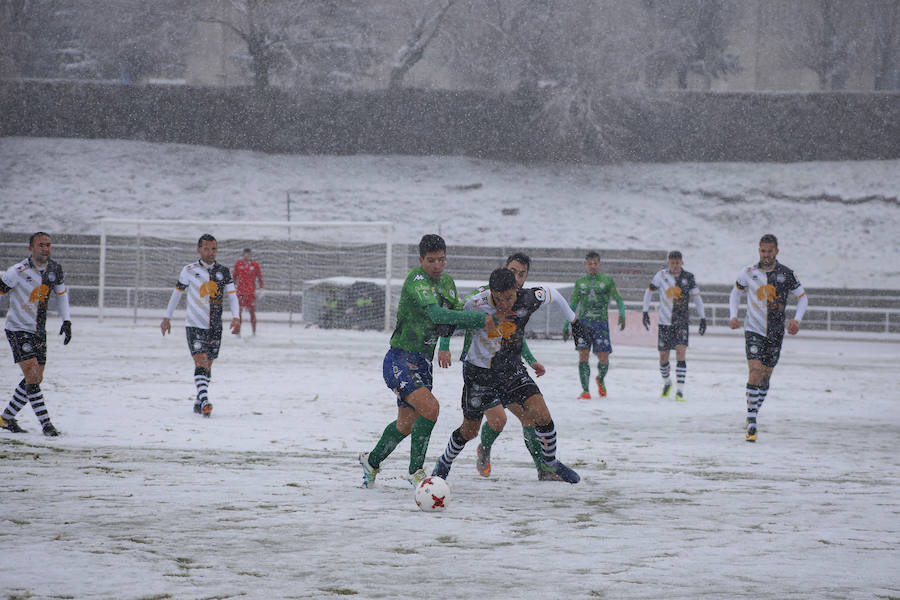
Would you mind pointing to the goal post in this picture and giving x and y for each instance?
(329, 273)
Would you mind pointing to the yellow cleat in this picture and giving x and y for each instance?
(751, 433)
(667, 387)
(679, 397)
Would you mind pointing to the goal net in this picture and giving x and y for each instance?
(331, 274)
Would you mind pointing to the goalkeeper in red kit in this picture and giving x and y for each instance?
(245, 273)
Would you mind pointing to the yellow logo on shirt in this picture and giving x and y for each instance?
(504, 330)
(39, 294)
(209, 288)
(673, 292)
(766, 293)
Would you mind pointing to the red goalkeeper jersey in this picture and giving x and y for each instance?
(245, 274)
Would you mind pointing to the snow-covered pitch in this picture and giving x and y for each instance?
(140, 498)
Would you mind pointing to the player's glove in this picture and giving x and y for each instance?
(566, 332)
(646, 321)
(621, 322)
(581, 333)
(66, 330)
(702, 326)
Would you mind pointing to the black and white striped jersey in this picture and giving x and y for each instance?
(767, 296)
(206, 288)
(674, 293)
(29, 289)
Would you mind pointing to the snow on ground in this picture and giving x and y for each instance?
(837, 221)
(140, 498)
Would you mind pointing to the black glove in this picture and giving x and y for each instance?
(67, 330)
(581, 333)
(646, 320)
(702, 326)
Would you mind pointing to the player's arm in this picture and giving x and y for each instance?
(620, 305)
(234, 307)
(174, 299)
(531, 361)
(793, 325)
(574, 301)
(698, 302)
(259, 276)
(62, 297)
(645, 308)
(734, 303)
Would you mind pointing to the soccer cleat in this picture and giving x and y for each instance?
(667, 387)
(11, 424)
(50, 430)
(679, 397)
(548, 476)
(601, 389)
(585, 396)
(483, 463)
(440, 470)
(369, 472)
(206, 408)
(416, 478)
(751, 433)
(563, 472)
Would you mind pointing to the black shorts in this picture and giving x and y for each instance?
(671, 336)
(486, 388)
(767, 350)
(204, 341)
(26, 344)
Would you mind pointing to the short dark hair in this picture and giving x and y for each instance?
(431, 242)
(206, 237)
(502, 279)
(592, 254)
(519, 257)
(248, 251)
(36, 235)
(769, 238)
(675, 254)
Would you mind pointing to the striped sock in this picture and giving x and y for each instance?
(762, 397)
(454, 447)
(752, 403)
(201, 380)
(664, 371)
(36, 397)
(19, 399)
(547, 435)
(681, 373)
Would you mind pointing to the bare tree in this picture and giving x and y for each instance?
(426, 27)
(826, 43)
(689, 36)
(886, 44)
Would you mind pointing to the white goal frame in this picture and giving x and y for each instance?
(288, 229)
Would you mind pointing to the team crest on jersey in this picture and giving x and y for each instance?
(51, 276)
(540, 295)
(209, 288)
(39, 294)
(779, 278)
(453, 293)
(219, 275)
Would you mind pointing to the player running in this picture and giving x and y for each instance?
(493, 371)
(675, 286)
(767, 284)
(207, 284)
(428, 309)
(590, 300)
(28, 285)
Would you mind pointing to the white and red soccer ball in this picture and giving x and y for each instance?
(432, 494)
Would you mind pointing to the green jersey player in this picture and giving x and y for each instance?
(590, 301)
(428, 308)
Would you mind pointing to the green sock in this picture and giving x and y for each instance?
(421, 433)
(533, 444)
(488, 435)
(584, 372)
(603, 370)
(389, 440)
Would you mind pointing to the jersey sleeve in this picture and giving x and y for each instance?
(182, 283)
(259, 275)
(7, 280)
(555, 298)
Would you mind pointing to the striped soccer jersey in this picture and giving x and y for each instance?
(206, 289)
(29, 290)
(502, 348)
(767, 294)
(674, 293)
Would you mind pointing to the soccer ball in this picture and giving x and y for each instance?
(432, 494)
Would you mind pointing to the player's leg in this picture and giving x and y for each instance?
(202, 374)
(458, 439)
(664, 366)
(251, 307)
(584, 371)
(603, 369)
(24, 350)
(477, 397)
(36, 398)
(529, 436)
(602, 348)
(680, 370)
(537, 410)
(494, 423)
